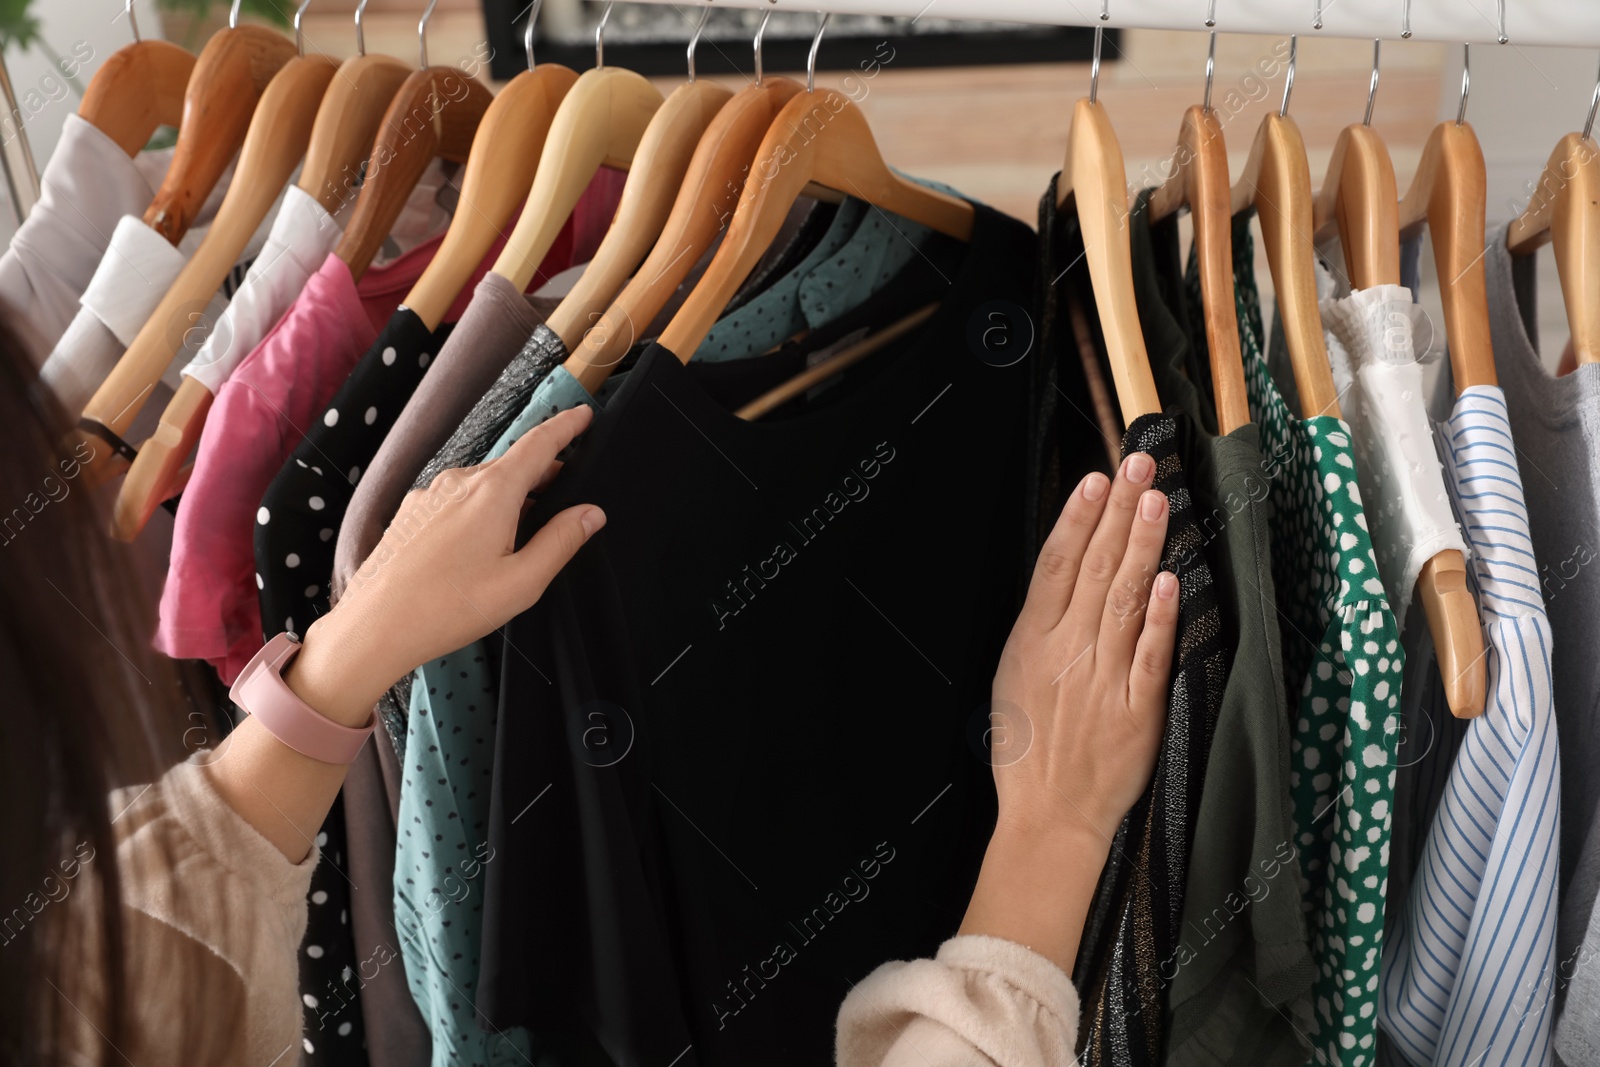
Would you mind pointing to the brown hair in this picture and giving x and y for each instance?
(86, 708)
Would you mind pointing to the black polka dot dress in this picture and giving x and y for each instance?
(294, 545)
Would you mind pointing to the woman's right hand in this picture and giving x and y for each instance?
(1079, 702)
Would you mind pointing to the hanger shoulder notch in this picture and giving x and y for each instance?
(138, 89)
(1277, 183)
(1457, 634)
(1450, 195)
(706, 199)
(659, 165)
(347, 123)
(231, 73)
(1095, 178)
(157, 471)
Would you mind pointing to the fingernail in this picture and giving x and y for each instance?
(592, 520)
(1166, 585)
(1138, 468)
(1151, 505)
(1094, 487)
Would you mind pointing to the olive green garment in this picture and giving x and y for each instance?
(1344, 667)
(1240, 987)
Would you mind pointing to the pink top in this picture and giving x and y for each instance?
(209, 605)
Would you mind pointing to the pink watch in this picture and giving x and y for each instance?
(261, 691)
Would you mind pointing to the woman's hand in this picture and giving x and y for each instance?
(446, 573)
(1078, 707)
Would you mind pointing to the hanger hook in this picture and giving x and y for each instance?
(1372, 86)
(600, 37)
(1594, 106)
(811, 58)
(1211, 13)
(233, 15)
(1094, 66)
(1211, 67)
(133, 20)
(299, 37)
(1099, 37)
(1466, 83)
(361, 38)
(527, 31)
(1405, 20)
(1316, 16)
(1503, 38)
(1288, 81)
(422, 34)
(694, 42)
(760, 31)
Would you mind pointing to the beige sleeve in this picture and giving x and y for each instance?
(195, 866)
(982, 1002)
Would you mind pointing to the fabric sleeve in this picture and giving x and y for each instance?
(193, 864)
(981, 1001)
(209, 608)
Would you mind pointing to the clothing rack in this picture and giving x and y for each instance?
(1572, 23)
(16, 154)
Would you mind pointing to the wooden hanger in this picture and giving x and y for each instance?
(1449, 194)
(138, 89)
(347, 122)
(1201, 183)
(655, 182)
(1277, 183)
(232, 72)
(434, 114)
(706, 198)
(836, 364)
(273, 148)
(1565, 209)
(505, 155)
(1094, 177)
(1358, 196)
(598, 124)
(817, 137)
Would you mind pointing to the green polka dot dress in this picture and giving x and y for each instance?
(1343, 665)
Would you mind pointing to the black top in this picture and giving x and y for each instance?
(308, 498)
(740, 757)
(294, 558)
(1132, 936)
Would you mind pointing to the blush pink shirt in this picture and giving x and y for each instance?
(209, 606)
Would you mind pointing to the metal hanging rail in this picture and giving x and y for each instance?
(1572, 23)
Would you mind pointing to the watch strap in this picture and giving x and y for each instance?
(261, 691)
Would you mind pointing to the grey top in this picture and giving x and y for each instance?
(1557, 423)
(497, 322)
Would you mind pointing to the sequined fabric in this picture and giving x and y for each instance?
(1134, 927)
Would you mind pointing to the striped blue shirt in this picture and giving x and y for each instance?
(1469, 969)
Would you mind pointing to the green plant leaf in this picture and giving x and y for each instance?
(267, 10)
(18, 27)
